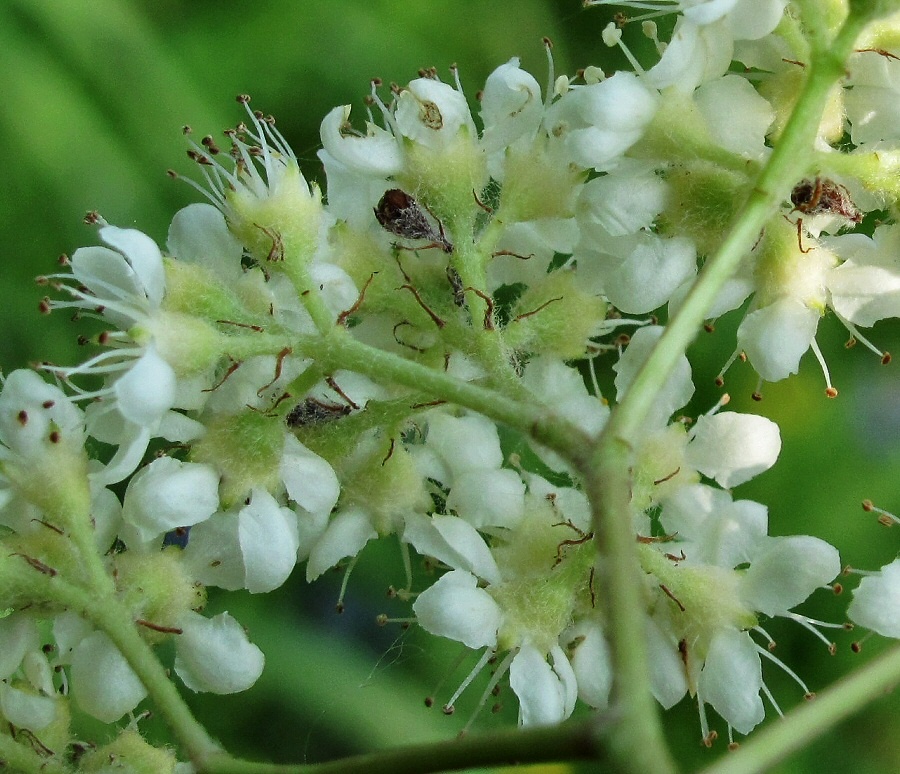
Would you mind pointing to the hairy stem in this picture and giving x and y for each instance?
(606, 470)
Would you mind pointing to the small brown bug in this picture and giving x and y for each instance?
(813, 197)
(400, 213)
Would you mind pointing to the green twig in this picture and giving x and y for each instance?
(570, 741)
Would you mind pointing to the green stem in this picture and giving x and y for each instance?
(606, 470)
(571, 741)
(340, 350)
(798, 728)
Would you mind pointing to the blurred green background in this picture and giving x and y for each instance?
(95, 93)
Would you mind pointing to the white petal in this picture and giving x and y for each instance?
(103, 683)
(733, 448)
(787, 571)
(668, 682)
(511, 106)
(488, 498)
(18, 635)
(677, 390)
(214, 655)
(213, 552)
(345, 536)
(453, 541)
(865, 294)
(26, 710)
(143, 256)
(269, 541)
(732, 678)
(541, 693)
(876, 601)
(776, 336)
(169, 493)
(310, 481)
(625, 202)
(465, 443)
(376, 154)
(199, 234)
(650, 274)
(592, 665)
(456, 608)
(147, 390)
(722, 99)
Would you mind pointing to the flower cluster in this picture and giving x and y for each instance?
(299, 366)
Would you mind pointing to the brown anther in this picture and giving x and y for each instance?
(831, 392)
(535, 311)
(231, 369)
(391, 592)
(855, 647)
(243, 99)
(172, 174)
(547, 42)
(159, 627)
(22, 417)
(437, 320)
(757, 396)
(488, 322)
(710, 738)
(381, 619)
(514, 255)
(885, 521)
(868, 505)
(809, 696)
(448, 709)
(339, 608)
(771, 645)
(667, 478)
(832, 648)
(837, 588)
(709, 327)
(54, 436)
(210, 144)
(390, 453)
(37, 565)
(671, 596)
(279, 364)
(92, 218)
(342, 317)
(429, 404)
(334, 386)
(429, 701)
(886, 358)
(495, 708)
(850, 343)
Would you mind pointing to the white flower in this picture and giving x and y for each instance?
(252, 547)
(599, 122)
(463, 453)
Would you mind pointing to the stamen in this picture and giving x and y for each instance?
(501, 670)
(551, 72)
(859, 337)
(482, 663)
(787, 670)
(830, 391)
(612, 36)
(350, 565)
(771, 698)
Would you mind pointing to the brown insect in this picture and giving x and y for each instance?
(401, 214)
(315, 412)
(813, 197)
